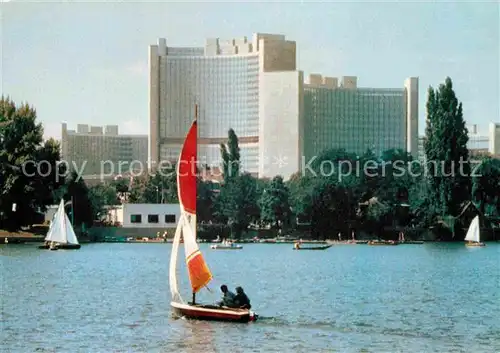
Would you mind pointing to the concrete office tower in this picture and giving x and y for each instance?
(91, 146)
(494, 139)
(253, 86)
(356, 119)
(224, 79)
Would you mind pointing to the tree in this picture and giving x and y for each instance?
(230, 154)
(121, 185)
(155, 188)
(486, 186)
(301, 191)
(274, 205)
(29, 168)
(377, 215)
(397, 178)
(102, 195)
(328, 207)
(80, 211)
(446, 150)
(237, 203)
(204, 201)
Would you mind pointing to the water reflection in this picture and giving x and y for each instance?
(348, 299)
(192, 336)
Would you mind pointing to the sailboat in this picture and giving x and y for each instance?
(61, 234)
(197, 268)
(473, 234)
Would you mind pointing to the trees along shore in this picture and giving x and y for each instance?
(374, 195)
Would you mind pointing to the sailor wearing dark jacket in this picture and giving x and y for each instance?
(241, 299)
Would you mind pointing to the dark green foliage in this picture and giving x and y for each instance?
(330, 208)
(22, 149)
(121, 185)
(237, 203)
(102, 195)
(230, 154)
(274, 207)
(158, 188)
(204, 201)
(446, 151)
(486, 186)
(81, 211)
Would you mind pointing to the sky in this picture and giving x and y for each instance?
(87, 62)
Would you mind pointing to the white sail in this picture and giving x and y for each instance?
(69, 231)
(473, 232)
(51, 228)
(174, 290)
(60, 230)
(57, 231)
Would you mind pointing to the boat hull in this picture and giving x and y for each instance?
(212, 313)
(222, 247)
(373, 243)
(474, 245)
(62, 247)
(314, 248)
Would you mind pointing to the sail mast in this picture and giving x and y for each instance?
(199, 274)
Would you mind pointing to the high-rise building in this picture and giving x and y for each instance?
(358, 119)
(254, 87)
(222, 78)
(494, 140)
(97, 150)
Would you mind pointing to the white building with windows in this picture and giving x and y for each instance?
(147, 215)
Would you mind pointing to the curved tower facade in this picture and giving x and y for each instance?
(222, 78)
(253, 86)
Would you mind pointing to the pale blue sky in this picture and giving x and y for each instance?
(87, 62)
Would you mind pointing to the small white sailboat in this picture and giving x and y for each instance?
(61, 234)
(198, 271)
(473, 234)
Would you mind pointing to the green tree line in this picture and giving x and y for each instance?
(334, 194)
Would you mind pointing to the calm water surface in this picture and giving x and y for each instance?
(349, 298)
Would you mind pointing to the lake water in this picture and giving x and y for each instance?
(349, 298)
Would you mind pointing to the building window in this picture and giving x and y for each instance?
(153, 218)
(135, 218)
(169, 218)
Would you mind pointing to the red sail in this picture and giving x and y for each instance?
(186, 171)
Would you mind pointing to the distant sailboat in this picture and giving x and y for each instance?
(61, 234)
(473, 234)
(198, 271)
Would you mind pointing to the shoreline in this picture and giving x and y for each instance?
(13, 238)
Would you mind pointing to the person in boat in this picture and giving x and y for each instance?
(241, 299)
(227, 298)
(297, 245)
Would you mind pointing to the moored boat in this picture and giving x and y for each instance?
(298, 246)
(312, 247)
(226, 245)
(382, 242)
(197, 268)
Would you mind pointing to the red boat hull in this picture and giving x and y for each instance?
(212, 313)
